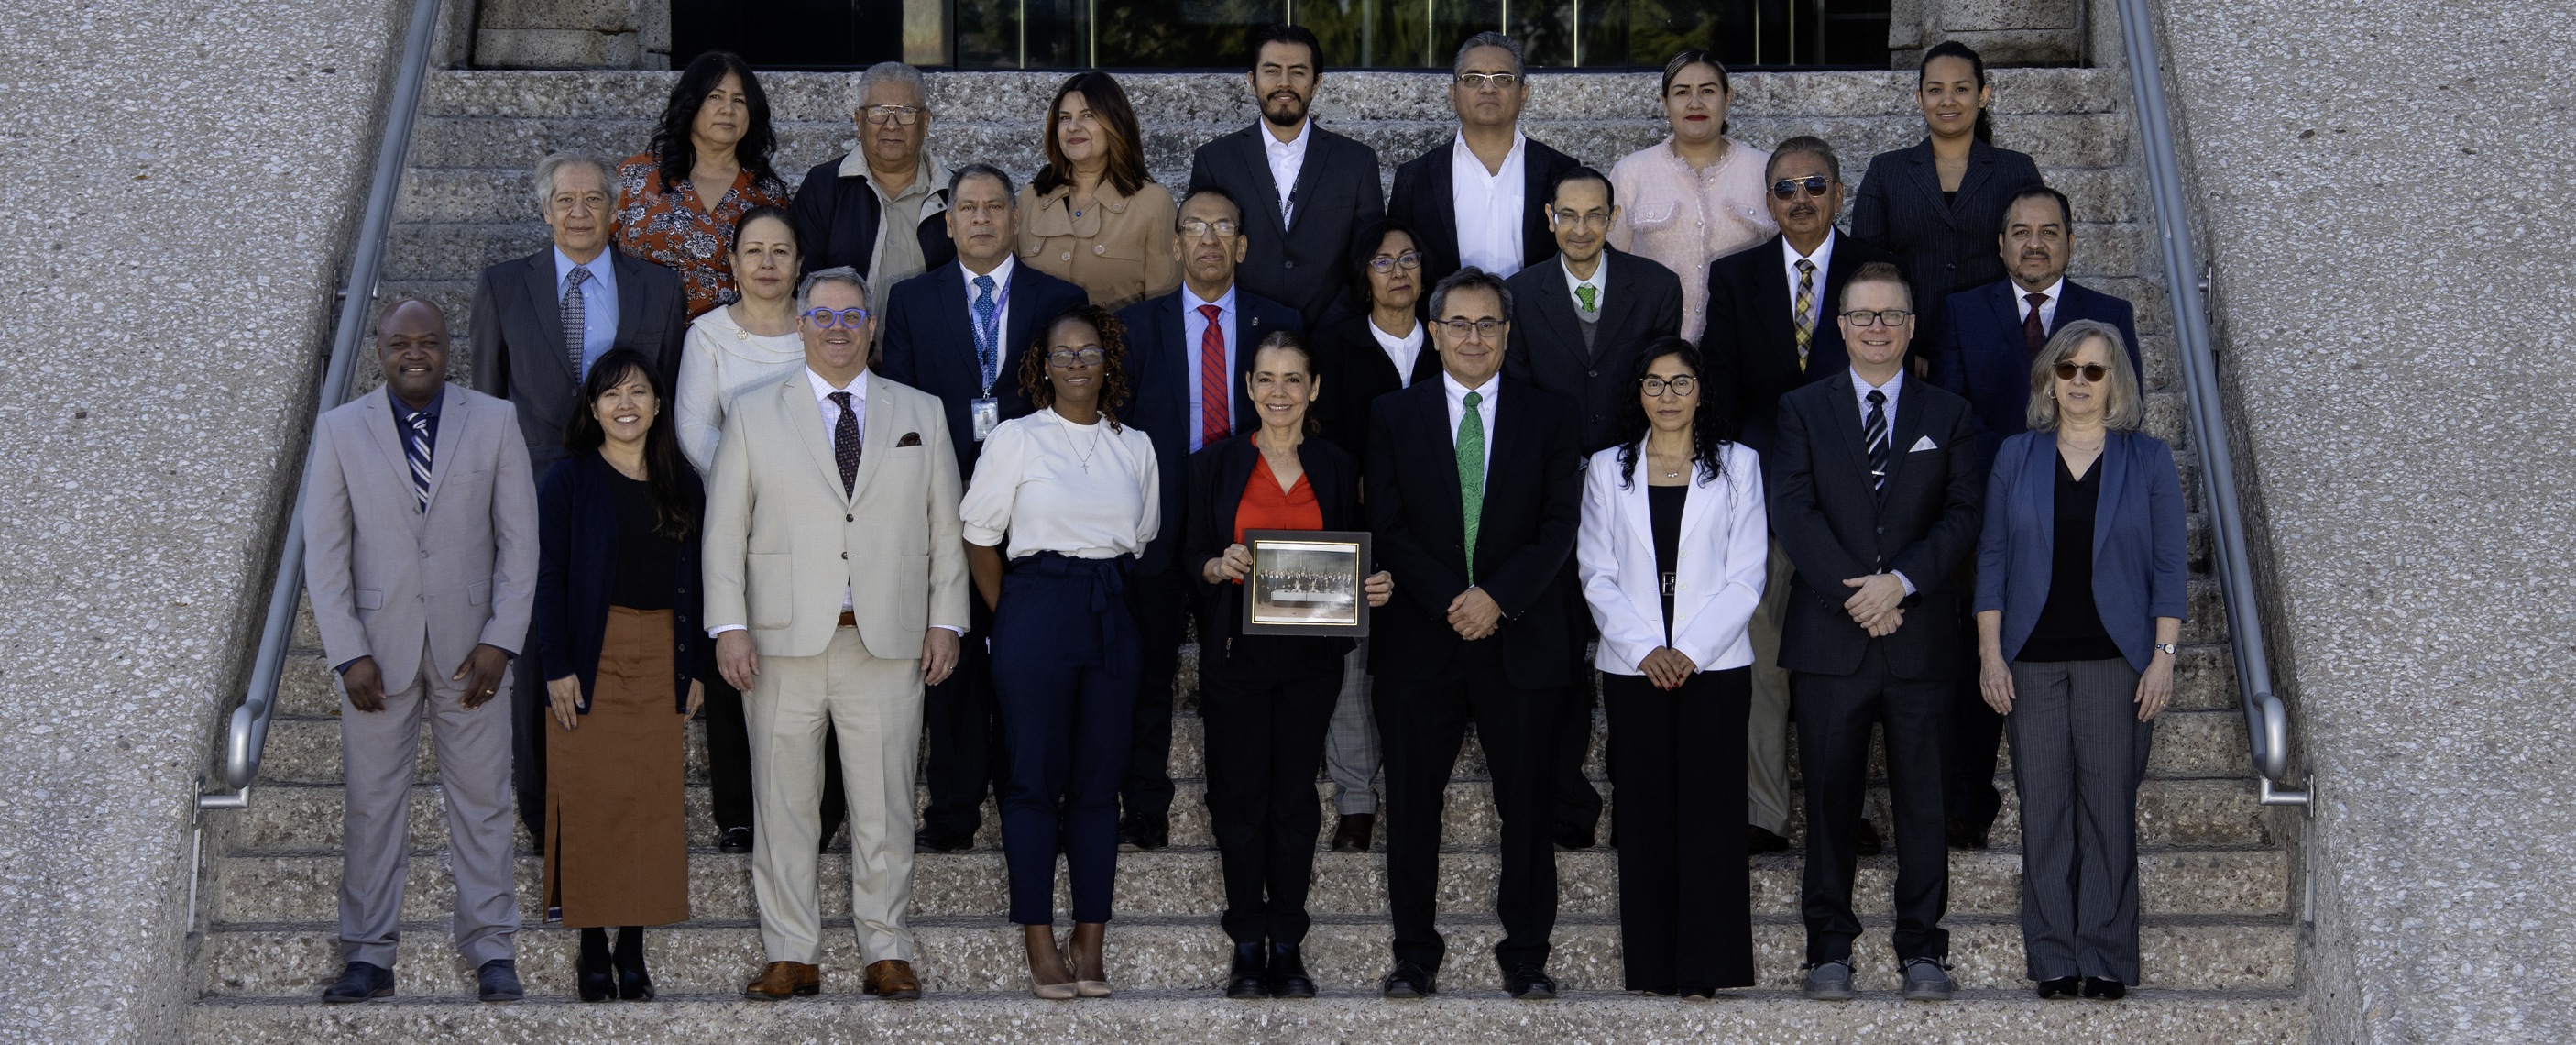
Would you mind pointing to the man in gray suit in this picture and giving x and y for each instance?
(420, 552)
(538, 324)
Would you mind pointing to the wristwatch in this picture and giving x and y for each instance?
(2169, 649)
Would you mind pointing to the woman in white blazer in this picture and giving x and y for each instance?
(1673, 553)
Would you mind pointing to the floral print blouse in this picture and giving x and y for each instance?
(1687, 218)
(674, 230)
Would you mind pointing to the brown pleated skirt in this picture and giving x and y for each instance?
(616, 849)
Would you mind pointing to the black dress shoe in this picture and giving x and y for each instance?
(734, 840)
(634, 982)
(359, 981)
(498, 980)
(1963, 835)
(2061, 987)
(1568, 837)
(933, 840)
(1529, 983)
(1867, 843)
(1409, 980)
(2106, 990)
(1288, 977)
(1352, 834)
(1244, 980)
(594, 982)
(1144, 834)
(1761, 840)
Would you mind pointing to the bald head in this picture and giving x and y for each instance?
(411, 346)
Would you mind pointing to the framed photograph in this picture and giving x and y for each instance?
(1306, 582)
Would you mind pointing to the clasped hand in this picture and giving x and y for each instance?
(1475, 614)
(1875, 607)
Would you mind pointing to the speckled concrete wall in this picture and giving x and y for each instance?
(2383, 193)
(180, 179)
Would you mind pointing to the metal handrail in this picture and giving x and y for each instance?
(250, 721)
(2267, 721)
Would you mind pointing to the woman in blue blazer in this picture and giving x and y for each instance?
(2080, 599)
(616, 630)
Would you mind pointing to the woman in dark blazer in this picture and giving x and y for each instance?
(2080, 600)
(617, 636)
(1266, 699)
(1359, 353)
(1938, 204)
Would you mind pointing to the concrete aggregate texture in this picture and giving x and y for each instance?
(178, 185)
(2379, 184)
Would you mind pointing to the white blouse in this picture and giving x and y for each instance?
(718, 361)
(1083, 491)
(1687, 218)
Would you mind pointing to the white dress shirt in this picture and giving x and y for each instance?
(1401, 351)
(1193, 328)
(598, 304)
(2055, 293)
(1484, 410)
(1286, 159)
(1082, 491)
(1001, 316)
(1489, 206)
(1861, 388)
(1824, 259)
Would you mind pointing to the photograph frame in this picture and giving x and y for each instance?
(1333, 567)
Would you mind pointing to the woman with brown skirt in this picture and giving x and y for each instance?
(617, 635)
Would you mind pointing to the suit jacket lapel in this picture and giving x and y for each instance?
(1536, 240)
(1564, 326)
(630, 297)
(1235, 474)
(1904, 428)
(1503, 441)
(380, 424)
(2115, 480)
(456, 415)
(795, 396)
(1439, 219)
(1847, 420)
(1927, 177)
(1829, 349)
(1616, 309)
(877, 434)
(953, 320)
(1981, 163)
(547, 309)
(1433, 434)
(1304, 191)
(1640, 508)
(1779, 321)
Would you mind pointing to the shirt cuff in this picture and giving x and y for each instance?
(961, 632)
(1901, 579)
(723, 628)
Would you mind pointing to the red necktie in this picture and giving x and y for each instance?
(2033, 335)
(1216, 386)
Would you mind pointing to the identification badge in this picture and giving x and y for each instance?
(988, 415)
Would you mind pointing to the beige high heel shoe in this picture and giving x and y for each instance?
(1052, 991)
(1084, 988)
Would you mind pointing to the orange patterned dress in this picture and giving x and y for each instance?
(676, 231)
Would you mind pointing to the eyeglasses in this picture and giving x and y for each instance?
(1866, 318)
(899, 115)
(2093, 372)
(1411, 259)
(1683, 385)
(1595, 222)
(1195, 228)
(1787, 188)
(1480, 327)
(1479, 81)
(823, 318)
(1077, 357)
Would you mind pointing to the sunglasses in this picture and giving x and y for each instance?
(823, 318)
(2093, 372)
(1787, 188)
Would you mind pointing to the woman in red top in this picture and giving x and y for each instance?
(1266, 699)
(678, 202)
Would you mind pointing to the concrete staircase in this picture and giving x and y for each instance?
(2220, 945)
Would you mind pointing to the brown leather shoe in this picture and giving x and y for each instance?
(892, 980)
(783, 980)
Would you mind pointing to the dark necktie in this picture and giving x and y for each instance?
(988, 335)
(845, 443)
(1873, 431)
(575, 314)
(2033, 335)
(1216, 385)
(416, 451)
(1806, 304)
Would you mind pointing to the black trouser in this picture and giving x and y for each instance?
(528, 714)
(1422, 723)
(1265, 736)
(1578, 804)
(961, 717)
(1161, 602)
(1685, 893)
(1976, 732)
(1834, 717)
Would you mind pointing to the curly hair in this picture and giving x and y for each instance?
(1113, 363)
(672, 150)
(1709, 425)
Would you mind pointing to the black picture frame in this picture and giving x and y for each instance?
(1307, 582)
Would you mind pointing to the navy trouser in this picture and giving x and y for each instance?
(1064, 673)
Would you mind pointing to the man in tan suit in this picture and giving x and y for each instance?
(834, 621)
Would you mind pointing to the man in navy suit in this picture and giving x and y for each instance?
(1324, 185)
(1180, 348)
(1481, 198)
(1984, 353)
(957, 332)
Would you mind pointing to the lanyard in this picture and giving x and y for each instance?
(1002, 302)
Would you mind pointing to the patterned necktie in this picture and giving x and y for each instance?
(845, 443)
(575, 314)
(987, 335)
(416, 450)
(1873, 431)
(1471, 474)
(1806, 311)
(1590, 296)
(2032, 335)
(1216, 390)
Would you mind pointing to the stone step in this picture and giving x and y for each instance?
(2172, 813)
(1997, 1017)
(984, 954)
(260, 889)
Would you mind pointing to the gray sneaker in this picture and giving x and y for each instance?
(1830, 981)
(1926, 979)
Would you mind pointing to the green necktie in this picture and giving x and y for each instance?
(1471, 474)
(1586, 293)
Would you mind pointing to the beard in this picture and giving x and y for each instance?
(1282, 113)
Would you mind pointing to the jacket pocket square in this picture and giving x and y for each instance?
(1921, 444)
(909, 439)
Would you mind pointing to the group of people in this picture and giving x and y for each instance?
(1667, 423)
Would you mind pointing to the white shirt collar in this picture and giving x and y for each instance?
(1295, 145)
(1464, 158)
(1001, 276)
(1823, 257)
(2021, 298)
(858, 387)
(1600, 281)
(1458, 392)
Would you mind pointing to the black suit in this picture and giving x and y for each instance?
(519, 354)
(1431, 683)
(1922, 524)
(1422, 200)
(1355, 372)
(1948, 242)
(1162, 370)
(1306, 264)
(1751, 344)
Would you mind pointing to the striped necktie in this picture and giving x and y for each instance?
(1216, 385)
(1873, 431)
(576, 317)
(416, 451)
(988, 335)
(1806, 311)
